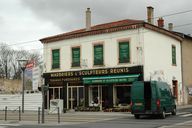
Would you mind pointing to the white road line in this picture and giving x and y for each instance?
(182, 113)
(177, 124)
(186, 115)
(2, 125)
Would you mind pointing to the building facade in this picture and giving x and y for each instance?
(96, 66)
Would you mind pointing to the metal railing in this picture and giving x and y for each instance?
(14, 110)
(39, 118)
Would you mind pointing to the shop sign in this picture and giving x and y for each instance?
(94, 72)
(74, 76)
(108, 81)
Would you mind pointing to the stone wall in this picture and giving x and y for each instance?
(190, 99)
(10, 86)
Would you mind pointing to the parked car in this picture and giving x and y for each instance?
(152, 98)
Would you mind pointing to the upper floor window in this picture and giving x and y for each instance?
(55, 58)
(98, 54)
(124, 52)
(76, 57)
(173, 55)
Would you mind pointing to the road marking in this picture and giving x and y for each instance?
(177, 124)
(186, 115)
(2, 125)
(182, 113)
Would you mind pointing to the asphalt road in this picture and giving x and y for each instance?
(182, 120)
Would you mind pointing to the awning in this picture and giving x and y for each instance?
(111, 79)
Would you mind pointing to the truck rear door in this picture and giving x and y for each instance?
(137, 97)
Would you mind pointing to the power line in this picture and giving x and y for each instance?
(168, 15)
(172, 14)
(182, 25)
(177, 13)
(31, 41)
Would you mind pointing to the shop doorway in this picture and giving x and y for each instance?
(54, 93)
(106, 99)
(175, 88)
(75, 96)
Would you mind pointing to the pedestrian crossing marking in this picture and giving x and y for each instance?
(182, 113)
(5, 125)
(186, 115)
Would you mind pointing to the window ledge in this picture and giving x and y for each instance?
(55, 68)
(99, 65)
(124, 63)
(76, 67)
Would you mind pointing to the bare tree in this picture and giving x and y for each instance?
(9, 60)
(5, 56)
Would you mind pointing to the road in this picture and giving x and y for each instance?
(112, 120)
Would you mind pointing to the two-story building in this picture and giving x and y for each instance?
(97, 65)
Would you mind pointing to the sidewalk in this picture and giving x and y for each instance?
(68, 118)
(74, 117)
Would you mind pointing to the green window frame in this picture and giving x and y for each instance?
(124, 52)
(76, 57)
(98, 54)
(174, 55)
(55, 58)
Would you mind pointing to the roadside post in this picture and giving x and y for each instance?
(39, 115)
(6, 113)
(44, 88)
(58, 112)
(19, 113)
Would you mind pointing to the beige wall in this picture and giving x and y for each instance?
(187, 61)
(10, 86)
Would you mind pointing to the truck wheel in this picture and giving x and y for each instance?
(137, 116)
(174, 112)
(163, 115)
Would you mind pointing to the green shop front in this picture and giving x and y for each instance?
(103, 87)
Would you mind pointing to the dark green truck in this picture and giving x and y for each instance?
(152, 98)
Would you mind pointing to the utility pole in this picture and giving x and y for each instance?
(43, 104)
(44, 89)
(23, 64)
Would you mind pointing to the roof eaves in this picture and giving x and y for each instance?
(82, 33)
(163, 31)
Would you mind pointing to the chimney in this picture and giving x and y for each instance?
(160, 22)
(170, 26)
(88, 19)
(150, 18)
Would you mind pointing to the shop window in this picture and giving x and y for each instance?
(123, 95)
(173, 55)
(98, 54)
(94, 96)
(76, 57)
(55, 59)
(124, 52)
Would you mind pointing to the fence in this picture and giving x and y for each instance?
(10, 114)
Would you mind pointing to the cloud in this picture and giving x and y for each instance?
(70, 14)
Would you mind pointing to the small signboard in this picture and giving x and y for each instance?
(190, 91)
(36, 78)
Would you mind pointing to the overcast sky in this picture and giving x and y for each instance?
(22, 21)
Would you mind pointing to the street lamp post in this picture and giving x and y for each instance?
(22, 64)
